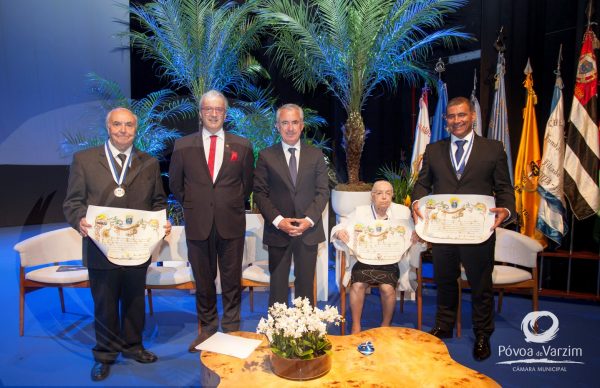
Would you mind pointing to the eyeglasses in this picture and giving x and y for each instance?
(459, 116)
(120, 124)
(286, 123)
(217, 109)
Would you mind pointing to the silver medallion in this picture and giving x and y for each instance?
(119, 192)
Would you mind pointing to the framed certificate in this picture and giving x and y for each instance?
(456, 218)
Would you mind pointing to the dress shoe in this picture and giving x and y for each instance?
(142, 355)
(440, 333)
(481, 350)
(197, 341)
(100, 371)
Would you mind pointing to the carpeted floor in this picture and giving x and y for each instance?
(55, 350)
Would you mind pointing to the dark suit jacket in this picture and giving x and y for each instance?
(486, 173)
(275, 194)
(204, 202)
(91, 183)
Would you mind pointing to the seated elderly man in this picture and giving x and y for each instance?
(385, 276)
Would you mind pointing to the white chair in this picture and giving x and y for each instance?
(170, 267)
(256, 274)
(55, 247)
(515, 267)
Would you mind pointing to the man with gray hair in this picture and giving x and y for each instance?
(211, 176)
(115, 174)
(291, 188)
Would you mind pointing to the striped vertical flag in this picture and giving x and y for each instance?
(478, 126)
(438, 126)
(498, 128)
(422, 136)
(582, 153)
(527, 168)
(552, 212)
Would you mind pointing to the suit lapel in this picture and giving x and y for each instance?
(302, 163)
(474, 157)
(135, 168)
(102, 160)
(226, 157)
(447, 150)
(199, 147)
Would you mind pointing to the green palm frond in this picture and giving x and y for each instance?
(253, 117)
(351, 46)
(153, 112)
(198, 44)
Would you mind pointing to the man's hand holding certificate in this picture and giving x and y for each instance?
(126, 236)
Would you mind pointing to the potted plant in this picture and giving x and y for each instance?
(351, 47)
(401, 179)
(298, 339)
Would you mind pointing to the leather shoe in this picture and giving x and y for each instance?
(100, 371)
(142, 355)
(197, 341)
(440, 333)
(481, 350)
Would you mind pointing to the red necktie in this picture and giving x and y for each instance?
(211, 155)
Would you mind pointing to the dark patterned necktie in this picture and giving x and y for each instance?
(459, 153)
(293, 165)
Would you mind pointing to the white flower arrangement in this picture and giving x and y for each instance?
(299, 331)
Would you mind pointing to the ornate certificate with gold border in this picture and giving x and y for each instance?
(456, 218)
(126, 236)
(380, 242)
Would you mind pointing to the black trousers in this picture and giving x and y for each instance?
(204, 256)
(119, 310)
(280, 261)
(478, 261)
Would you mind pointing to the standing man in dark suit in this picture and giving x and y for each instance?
(465, 164)
(211, 175)
(115, 175)
(291, 190)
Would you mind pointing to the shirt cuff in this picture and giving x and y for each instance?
(277, 220)
(309, 220)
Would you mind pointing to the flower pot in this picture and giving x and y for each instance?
(296, 369)
(344, 202)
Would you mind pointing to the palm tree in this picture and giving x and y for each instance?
(198, 44)
(352, 46)
(152, 111)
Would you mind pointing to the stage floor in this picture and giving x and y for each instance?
(55, 349)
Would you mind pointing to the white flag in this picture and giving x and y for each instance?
(422, 136)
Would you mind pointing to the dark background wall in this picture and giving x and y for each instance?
(532, 29)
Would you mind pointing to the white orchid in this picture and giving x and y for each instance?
(298, 331)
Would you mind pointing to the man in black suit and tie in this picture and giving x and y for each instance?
(465, 164)
(115, 174)
(211, 176)
(291, 190)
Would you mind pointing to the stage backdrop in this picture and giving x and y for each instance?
(46, 49)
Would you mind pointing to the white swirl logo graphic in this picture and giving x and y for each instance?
(528, 327)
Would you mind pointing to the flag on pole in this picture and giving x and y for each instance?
(527, 168)
(582, 153)
(478, 128)
(552, 212)
(422, 136)
(438, 126)
(498, 128)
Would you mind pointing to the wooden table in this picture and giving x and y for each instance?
(403, 357)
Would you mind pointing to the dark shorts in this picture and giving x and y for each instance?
(375, 275)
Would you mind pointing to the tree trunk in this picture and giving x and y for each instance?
(354, 136)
